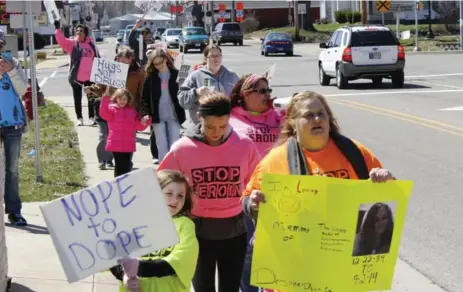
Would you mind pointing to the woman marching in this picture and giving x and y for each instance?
(159, 100)
(253, 115)
(170, 269)
(218, 162)
(311, 144)
(213, 77)
(82, 50)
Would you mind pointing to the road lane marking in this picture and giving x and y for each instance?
(432, 124)
(433, 75)
(44, 80)
(438, 84)
(394, 92)
(456, 108)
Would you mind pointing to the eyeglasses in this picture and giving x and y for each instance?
(214, 56)
(263, 90)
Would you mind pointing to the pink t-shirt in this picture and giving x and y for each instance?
(86, 61)
(218, 174)
(263, 129)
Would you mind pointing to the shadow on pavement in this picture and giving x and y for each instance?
(385, 85)
(19, 288)
(144, 141)
(31, 228)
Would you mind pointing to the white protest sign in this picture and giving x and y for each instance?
(270, 73)
(148, 5)
(183, 73)
(93, 228)
(140, 47)
(52, 10)
(109, 73)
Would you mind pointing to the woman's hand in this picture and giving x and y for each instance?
(6, 66)
(380, 175)
(256, 198)
(131, 283)
(87, 90)
(202, 91)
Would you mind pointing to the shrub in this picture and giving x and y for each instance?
(350, 16)
(39, 42)
(249, 24)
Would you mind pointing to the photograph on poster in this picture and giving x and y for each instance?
(375, 227)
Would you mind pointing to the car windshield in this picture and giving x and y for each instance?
(368, 38)
(194, 31)
(278, 36)
(160, 30)
(231, 26)
(174, 32)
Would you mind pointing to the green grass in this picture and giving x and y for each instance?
(62, 164)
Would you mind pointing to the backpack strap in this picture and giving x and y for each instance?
(297, 163)
(353, 155)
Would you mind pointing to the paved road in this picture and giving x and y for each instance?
(407, 129)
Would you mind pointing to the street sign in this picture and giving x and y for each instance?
(402, 6)
(301, 9)
(419, 5)
(239, 13)
(383, 6)
(18, 6)
(222, 14)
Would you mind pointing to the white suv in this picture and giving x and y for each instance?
(362, 52)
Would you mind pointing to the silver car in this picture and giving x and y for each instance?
(170, 36)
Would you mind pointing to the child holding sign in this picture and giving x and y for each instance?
(169, 269)
(123, 120)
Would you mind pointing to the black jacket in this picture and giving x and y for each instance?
(152, 95)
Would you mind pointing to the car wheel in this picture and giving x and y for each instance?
(241, 43)
(180, 48)
(266, 54)
(219, 43)
(398, 79)
(262, 53)
(289, 54)
(185, 50)
(377, 81)
(324, 79)
(341, 80)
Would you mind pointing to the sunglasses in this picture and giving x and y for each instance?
(263, 90)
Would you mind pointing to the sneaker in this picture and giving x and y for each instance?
(92, 122)
(80, 122)
(109, 164)
(102, 166)
(155, 161)
(17, 220)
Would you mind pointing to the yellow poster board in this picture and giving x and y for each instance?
(317, 233)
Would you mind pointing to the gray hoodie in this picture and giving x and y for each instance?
(187, 97)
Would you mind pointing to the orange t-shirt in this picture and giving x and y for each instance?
(330, 162)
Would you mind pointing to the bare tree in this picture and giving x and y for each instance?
(448, 13)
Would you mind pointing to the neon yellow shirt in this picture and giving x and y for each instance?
(182, 257)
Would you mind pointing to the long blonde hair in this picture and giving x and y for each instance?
(158, 53)
(293, 113)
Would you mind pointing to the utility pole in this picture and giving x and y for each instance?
(429, 35)
(296, 20)
(461, 25)
(364, 11)
(233, 12)
(176, 13)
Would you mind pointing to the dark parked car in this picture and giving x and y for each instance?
(98, 35)
(228, 32)
(276, 43)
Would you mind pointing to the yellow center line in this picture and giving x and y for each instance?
(407, 117)
(399, 117)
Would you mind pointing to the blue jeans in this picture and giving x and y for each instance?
(246, 277)
(12, 143)
(167, 132)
